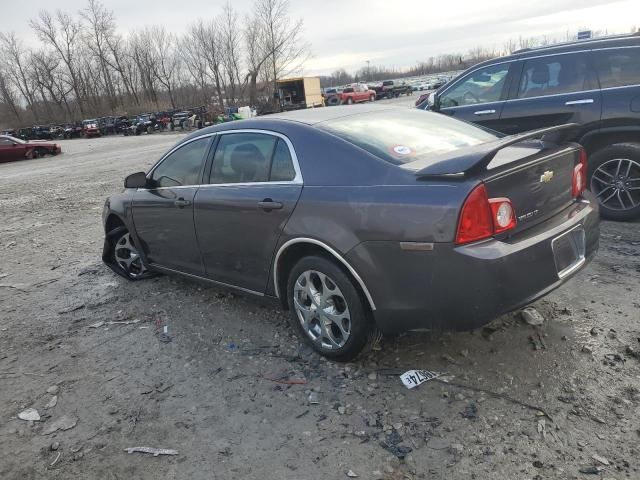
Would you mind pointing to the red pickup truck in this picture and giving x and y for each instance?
(358, 92)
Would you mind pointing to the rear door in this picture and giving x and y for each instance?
(479, 96)
(553, 90)
(254, 185)
(163, 213)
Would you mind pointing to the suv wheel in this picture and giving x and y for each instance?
(614, 174)
(327, 309)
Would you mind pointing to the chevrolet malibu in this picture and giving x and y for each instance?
(362, 219)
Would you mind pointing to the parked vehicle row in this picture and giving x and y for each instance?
(592, 83)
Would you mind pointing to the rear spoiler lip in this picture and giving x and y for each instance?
(476, 158)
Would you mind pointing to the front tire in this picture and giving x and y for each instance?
(327, 310)
(614, 178)
(126, 255)
(349, 101)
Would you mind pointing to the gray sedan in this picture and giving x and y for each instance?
(362, 219)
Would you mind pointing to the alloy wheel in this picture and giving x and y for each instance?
(127, 256)
(616, 184)
(322, 310)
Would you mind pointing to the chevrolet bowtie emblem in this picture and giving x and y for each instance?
(546, 176)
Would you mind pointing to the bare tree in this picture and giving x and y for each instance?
(61, 33)
(231, 40)
(166, 61)
(16, 68)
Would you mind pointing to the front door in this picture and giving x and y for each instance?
(10, 150)
(253, 188)
(163, 213)
(553, 90)
(478, 97)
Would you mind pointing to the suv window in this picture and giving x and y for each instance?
(554, 75)
(619, 67)
(482, 86)
(182, 167)
(251, 158)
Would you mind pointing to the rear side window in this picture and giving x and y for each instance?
(182, 167)
(554, 75)
(251, 158)
(619, 67)
(403, 136)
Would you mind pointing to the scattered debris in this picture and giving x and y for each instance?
(470, 412)
(56, 460)
(54, 446)
(587, 349)
(53, 389)
(590, 470)
(63, 423)
(30, 414)
(313, 398)
(532, 317)
(600, 459)
(71, 308)
(542, 428)
(351, 474)
(342, 410)
(154, 451)
(96, 325)
(413, 378)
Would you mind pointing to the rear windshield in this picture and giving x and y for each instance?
(403, 136)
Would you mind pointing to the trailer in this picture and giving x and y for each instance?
(298, 93)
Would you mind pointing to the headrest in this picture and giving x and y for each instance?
(540, 74)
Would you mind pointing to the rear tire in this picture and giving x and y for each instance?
(349, 101)
(614, 178)
(372, 98)
(327, 310)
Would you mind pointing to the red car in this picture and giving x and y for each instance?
(90, 128)
(356, 93)
(12, 148)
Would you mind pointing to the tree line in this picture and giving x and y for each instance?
(450, 62)
(83, 67)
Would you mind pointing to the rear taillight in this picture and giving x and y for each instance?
(579, 182)
(482, 217)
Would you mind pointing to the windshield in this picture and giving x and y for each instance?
(403, 136)
(16, 140)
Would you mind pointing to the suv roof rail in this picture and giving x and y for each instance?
(579, 42)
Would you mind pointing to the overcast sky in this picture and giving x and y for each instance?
(347, 33)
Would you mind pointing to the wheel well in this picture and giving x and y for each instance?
(297, 251)
(597, 142)
(113, 222)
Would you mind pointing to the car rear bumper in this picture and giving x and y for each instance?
(464, 287)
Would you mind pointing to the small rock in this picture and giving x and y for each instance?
(30, 414)
(459, 397)
(351, 474)
(531, 316)
(313, 398)
(373, 376)
(63, 423)
(594, 331)
(377, 474)
(587, 349)
(342, 410)
(52, 403)
(53, 390)
(538, 464)
(590, 470)
(54, 446)
(456, 448)
(600, 459)
(112, 409)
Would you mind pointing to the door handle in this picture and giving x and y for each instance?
(267, 205)
(484, 112)
(579, 102)
(181, 202)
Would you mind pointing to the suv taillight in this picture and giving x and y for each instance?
(482, 217)
(579, 182)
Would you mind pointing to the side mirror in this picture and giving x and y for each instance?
(136, 180)
(433, 101)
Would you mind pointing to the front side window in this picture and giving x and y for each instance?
(482, 86)
(182, 167)
(554, 75)
(619, 67)
(5, 141)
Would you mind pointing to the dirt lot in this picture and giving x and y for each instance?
(554, 401)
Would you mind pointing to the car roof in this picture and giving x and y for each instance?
(311, 116)
(573, 46)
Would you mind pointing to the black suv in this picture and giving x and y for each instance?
(595, 83)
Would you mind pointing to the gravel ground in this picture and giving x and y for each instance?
(237, 397)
